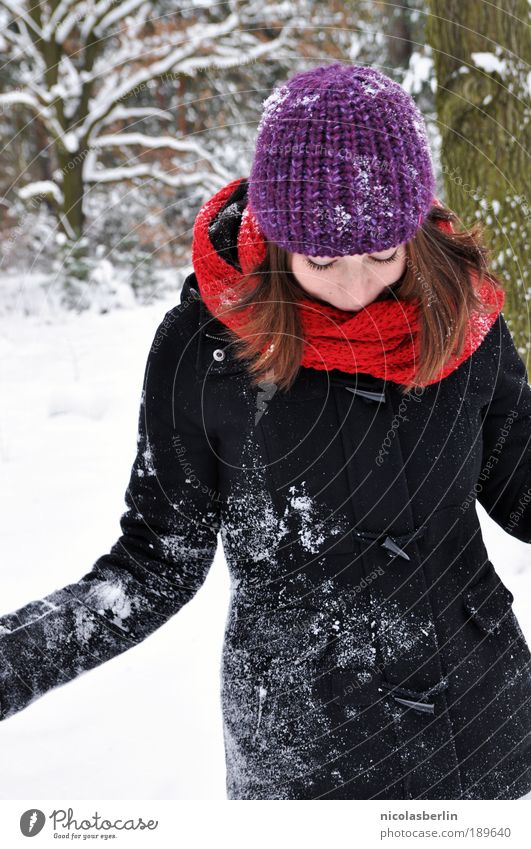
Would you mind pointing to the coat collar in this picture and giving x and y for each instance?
(215, 355)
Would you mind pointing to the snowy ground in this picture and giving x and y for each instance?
(147, 724)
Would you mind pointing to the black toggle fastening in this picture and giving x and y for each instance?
(421, 707)
(416, 698)
(367, 393)
(390, 542)
(392, 546)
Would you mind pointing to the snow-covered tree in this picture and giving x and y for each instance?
(86, 67)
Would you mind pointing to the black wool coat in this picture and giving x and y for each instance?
(370, 648)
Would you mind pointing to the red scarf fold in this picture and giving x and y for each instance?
(381, 339)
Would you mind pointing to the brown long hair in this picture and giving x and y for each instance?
(438, 266)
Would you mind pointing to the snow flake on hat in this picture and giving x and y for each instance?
(341, 218)
(272, 103)
(419, 126)
(307, 99)
(373, 85)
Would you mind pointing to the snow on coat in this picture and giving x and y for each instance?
(370, 648)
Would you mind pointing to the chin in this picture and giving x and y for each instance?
(339, 306)
(349, 307)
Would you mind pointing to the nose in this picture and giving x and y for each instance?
(354, 262)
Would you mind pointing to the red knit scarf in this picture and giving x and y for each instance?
(381, 339)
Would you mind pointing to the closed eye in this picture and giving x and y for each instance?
(389, 258)
(318, 267)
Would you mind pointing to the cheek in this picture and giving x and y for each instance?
(314, 281)
(306, 277)
(386, 273)
(395, 269)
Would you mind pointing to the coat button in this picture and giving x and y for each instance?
(219, 354)
(194, 293)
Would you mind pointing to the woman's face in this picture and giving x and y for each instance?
(348, 282)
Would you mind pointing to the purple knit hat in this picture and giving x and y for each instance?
(342, 163)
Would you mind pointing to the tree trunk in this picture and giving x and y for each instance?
(399, 36)
(73, 191)
(483, 113)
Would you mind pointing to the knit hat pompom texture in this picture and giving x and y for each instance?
(342, 163)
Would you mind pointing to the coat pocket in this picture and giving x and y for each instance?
(488, 603)
(268, 667)
(499, 656)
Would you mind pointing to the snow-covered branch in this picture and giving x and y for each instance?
(22, 41)
(118, 13)
(236, 57)
(157, 142)
(66, 15)
(125, 113)
(94, 14)
(68, 140)
(188, 46)
(21, 15)
(105, 14)
(42, 188)
(65, 27)
(23, 98)
(154, 142)
(151, 172)
(58, 15)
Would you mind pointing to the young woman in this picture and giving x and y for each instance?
(334, 391)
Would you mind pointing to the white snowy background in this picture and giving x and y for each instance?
(147, 724)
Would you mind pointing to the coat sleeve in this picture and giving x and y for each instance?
(505, 482)
(166, 547)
